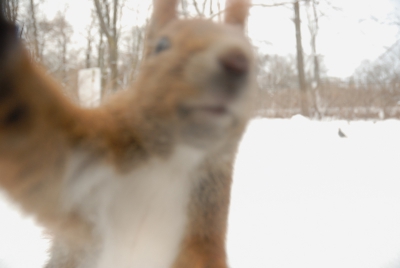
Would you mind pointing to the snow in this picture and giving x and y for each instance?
(302, 197)
(22, 243)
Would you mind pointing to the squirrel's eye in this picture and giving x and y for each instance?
(162, 45)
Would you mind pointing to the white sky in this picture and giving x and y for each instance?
(346, 38)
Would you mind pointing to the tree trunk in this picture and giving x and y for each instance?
(35, 31)
(88, 52)
(100, 63)
(113, 63)
(313, 27)
(64, 61)
(314, 45)
(108, 23)
(300, 62)
(317, 78)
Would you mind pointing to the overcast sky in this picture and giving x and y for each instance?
(346, 37)
(359, 31)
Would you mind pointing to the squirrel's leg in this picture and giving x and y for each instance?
(204, 244)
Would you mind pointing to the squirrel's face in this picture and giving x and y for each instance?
(200, 79)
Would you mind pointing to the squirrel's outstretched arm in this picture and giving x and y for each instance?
(39, 128)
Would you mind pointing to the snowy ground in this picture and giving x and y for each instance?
(302, 197)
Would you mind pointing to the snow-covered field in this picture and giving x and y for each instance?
(302, 197)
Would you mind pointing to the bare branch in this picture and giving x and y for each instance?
(114, 25)
(107, 12)
(219, 11)
(277, 4)
(103, 25)
(184, 8)
(197, 8)
(204, 6)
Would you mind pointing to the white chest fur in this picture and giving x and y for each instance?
(140, 217)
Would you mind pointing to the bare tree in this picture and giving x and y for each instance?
(277, 72)
(61, 36)
(108, 13)
(101, 49)
(184, 8)
(302, 84)
(313, 27)
(138, 37)
(36, 29)
(202, 8)
(300, 61)
(33, 23)
(90, 38)
(314, 12)
(381, 74)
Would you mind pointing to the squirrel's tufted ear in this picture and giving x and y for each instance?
(8, 35)
(236, 12)
(164, 11)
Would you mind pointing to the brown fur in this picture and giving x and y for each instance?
(40, 128)
(237, 11)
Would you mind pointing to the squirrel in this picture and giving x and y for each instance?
(144, 179)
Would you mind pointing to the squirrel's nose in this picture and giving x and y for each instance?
(235, 67)
(234, 62)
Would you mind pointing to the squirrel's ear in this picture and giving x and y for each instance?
(164, 11)
(236, 12)
(8, 35)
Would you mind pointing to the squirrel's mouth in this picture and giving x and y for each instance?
(215, 110)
